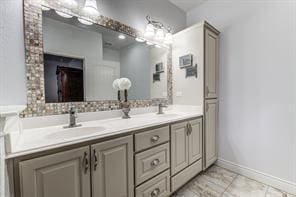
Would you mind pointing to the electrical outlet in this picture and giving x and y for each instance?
(179, 94)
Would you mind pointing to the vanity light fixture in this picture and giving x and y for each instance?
(85, 22)
(159, 35)
(63, 14)
(70, 3)
(168, 38)
(140, 39)
(121, 37)
(91, 8)
(158, 31)
(149, 32)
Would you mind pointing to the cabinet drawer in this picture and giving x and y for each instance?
(151, 162)
(158, 186)
(151, 138)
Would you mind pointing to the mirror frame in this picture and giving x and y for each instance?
(33, 34)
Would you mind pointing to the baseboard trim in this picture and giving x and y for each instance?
(267, 179)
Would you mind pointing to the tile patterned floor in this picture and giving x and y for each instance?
(218, 182)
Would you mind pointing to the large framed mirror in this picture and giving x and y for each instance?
(72, 60)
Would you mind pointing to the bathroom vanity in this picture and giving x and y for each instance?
(148, 155)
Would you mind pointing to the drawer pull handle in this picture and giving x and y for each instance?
(95, 160)
(155, 192)
(155, 162)
(155, 138)
(85, 162)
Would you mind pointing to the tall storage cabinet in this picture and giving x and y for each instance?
(200, 44)
(211, 93)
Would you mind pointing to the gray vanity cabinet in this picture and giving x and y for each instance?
(211, 123)
(65, 174)
(179, 147)
(186, 151)
(211, 64)
(195, 140)
(186, 144)
(112, 167)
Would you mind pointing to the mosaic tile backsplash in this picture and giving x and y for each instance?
(36, 105)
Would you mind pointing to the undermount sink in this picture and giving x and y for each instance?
(75, 132)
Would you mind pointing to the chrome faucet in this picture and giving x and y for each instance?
(72, 119)
(160, 108)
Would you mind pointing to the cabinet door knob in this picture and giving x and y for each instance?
(187, 129)
(155, 162)
(85, 162)
(155, 138)
(155, 192)
(95, 160)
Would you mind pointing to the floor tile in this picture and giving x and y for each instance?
(220, 176)
(204, 188)
(244, 187)
(272, 192)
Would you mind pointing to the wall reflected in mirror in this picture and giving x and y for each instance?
(82, 61)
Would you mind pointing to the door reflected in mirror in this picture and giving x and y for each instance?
(82, 61)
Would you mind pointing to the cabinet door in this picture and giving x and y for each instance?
(211, 64)
(211, 123)
(195, 140)
(112, 168)
(179, 147)
(64, 174)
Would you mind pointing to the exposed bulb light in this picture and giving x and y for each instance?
(45, 8)
(91, 8)
(140, 39)
(168, 38)
(159, 34)
(121, 37)
(70, 3)
(62, 14)
(149, 32)
(149, 43)
(83, 21)
(157, 46)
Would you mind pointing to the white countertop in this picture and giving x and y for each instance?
(46, 138)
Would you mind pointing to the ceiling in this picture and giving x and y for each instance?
(186, 5)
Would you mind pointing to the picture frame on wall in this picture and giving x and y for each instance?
(186, 61)
(159, 68)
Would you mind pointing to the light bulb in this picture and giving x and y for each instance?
(121, 37)
(91, 8)
(168, 38)
(70, 3)
(157, 46)
(159, 34)
(140, 39)
(83, 21)
(149, 32)
(63, 14)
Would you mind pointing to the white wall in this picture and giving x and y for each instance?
(257, 82)
(188, 91)
(12, 60)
